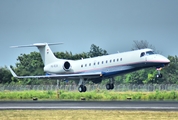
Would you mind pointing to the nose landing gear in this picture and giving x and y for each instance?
(159, 75)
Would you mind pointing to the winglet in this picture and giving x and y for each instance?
(12, 72)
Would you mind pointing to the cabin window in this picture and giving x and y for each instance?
(142, 54)
(85, 65)
(114, 60)
(98, 63)
(110, 61)
(94, 63)
(120, 59)
(102, 62)
(106, 61)
(81, 65)
(117, 59)
(90, 64)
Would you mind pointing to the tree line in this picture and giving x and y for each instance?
(31, 64)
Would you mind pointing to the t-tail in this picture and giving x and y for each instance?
(45, 51)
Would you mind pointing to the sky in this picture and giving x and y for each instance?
(112, 25)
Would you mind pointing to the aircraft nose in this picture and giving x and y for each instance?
(166, 61)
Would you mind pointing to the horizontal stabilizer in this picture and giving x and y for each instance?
(35, 45)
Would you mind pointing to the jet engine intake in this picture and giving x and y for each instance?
(66, 66)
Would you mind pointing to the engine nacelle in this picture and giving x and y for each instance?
(66, 66)
(58, 67)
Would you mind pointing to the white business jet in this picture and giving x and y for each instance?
(95, 69)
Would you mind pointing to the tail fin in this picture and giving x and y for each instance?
(45, 51)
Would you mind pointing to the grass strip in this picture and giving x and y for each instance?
(92, 95)
(86, 115)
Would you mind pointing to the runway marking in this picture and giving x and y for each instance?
(122, 108)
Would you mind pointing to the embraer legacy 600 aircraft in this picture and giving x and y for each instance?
(95, 69)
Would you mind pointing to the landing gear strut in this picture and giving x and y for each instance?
(82, 87)
(110, 85)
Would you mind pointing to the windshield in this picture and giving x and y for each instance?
(149, 53)
(146, 53)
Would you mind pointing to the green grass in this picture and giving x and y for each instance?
(93, 95)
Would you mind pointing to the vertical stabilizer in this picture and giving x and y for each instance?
(45, 51)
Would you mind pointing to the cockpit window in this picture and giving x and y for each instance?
(146, 53)
(142, 54)
(149, 53)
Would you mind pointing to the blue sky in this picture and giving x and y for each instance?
(110, 24)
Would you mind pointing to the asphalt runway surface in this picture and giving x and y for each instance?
(89, 105)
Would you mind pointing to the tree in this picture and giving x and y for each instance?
(143, 44)
(29, 64)
(170, 72)
(96, 51)
(5, 75)
(70, 56)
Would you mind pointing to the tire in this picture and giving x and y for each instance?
(160, 75)
(84, 88)
(111, 86)
(108, 86)
(80, 88)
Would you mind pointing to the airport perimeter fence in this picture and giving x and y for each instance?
(120, 87)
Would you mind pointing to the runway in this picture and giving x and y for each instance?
(89, 105)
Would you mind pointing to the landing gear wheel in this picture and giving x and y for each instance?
(82, 88)
(109, 86)
(159, 75)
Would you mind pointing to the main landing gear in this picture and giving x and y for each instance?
(82, 87)
(159, 75)
(110, 85)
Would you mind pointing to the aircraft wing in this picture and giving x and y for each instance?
(77, 75)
